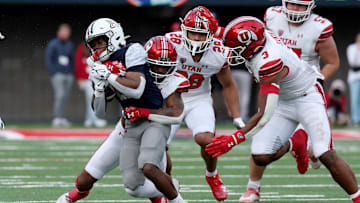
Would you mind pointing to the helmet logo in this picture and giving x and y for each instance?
(201, 20)
(148, 45)
(245, 36)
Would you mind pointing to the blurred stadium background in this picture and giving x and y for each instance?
(38, 171)
(28, 25)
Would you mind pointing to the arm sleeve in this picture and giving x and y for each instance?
(166, 119)
(100, 105)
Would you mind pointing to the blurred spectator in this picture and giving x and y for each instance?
(243, 81)
(175, 27)
(2, 125)
(353, 56)
(336, 103)
(59, 59)
(81, 76)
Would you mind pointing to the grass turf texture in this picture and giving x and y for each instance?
(41, 170)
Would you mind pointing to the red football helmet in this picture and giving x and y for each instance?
(298, 16)
(199, 20)
(245, 37)
(161, 53)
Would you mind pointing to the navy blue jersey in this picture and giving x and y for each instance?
(131, 56)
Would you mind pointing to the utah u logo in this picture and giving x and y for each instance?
(245, 36)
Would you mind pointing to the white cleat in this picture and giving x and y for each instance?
(315, 163)
(251, 195)
(64, 198)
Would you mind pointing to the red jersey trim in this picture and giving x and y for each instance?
(270, 69)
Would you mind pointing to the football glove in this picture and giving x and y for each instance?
(238, 123)
(100, 71)
(134, 113)
(116, 67)
(224, 143)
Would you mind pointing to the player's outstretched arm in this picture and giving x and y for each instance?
(171, 114)
(268, 98)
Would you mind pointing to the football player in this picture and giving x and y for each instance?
(106, 157)
(310, 37)
(162, 58)
(289, 94)
(200, 56)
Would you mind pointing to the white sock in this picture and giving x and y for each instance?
(355, 195)
(211, 174)
(147, 190)
(291, 145)
(254, 184)
(177, 199)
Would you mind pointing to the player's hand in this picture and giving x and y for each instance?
(116, 67)
(224, 143)
(100, 71)
(134, 113)
(238, 123)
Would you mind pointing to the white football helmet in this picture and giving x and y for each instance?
(112, 33)
(298, 16)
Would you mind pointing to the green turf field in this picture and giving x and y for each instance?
(41, 170)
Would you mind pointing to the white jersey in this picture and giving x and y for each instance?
(175, 82)
(199, 73)
(302, 39)
(273, 58)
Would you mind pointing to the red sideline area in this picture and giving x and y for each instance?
(102, 133)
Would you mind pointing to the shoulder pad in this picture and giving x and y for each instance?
(135, 55)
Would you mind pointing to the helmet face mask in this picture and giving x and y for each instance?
(198, 20)
(98, 43)
(298, 16)
(108, 30)
(158, 77)
(236, 58)
(162, 58)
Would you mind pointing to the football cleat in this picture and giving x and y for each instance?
(299, 146)
(217, 187)
(251, 195)
(158, 199)
(314, 162)
(356, 199)
(64, 198)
